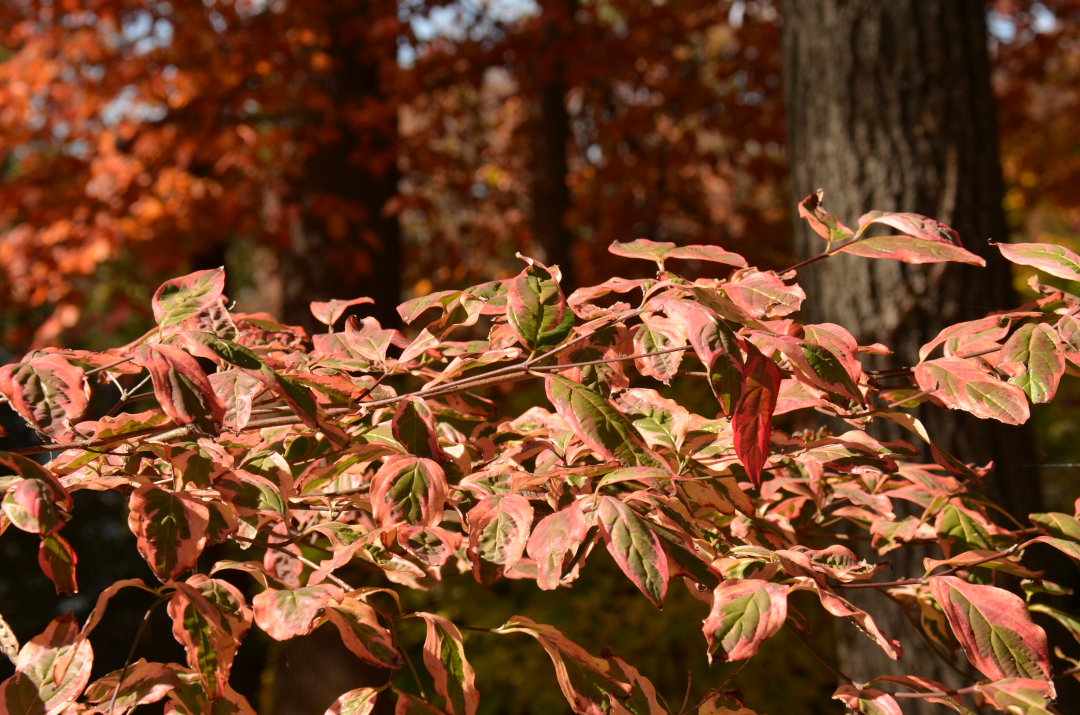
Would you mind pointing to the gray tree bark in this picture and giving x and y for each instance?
(889, 107)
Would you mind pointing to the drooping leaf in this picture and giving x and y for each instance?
(636, 548)
(38, 686)
(414, 428)
(181, 386)
(555, 539)
(1024, 696)
(752, 417)
(410, 489)
(144, 683)
(1038, 349)
(598, 423)
(187, 296)
(745, 613)
(362, 633)
(586, 681)
(994, 628)
(9, 644)
(961, 384)
(210, 618)
(331, 311)
(1055, 260)
(360, 701)
(824, 223)
(498, 532)
(47, 391)
(660, 251)
(867, 700)
(57, 560)
(288, 613)
(412, 705)
(170, 527)
(538, 310)
(444, 657)
(32, 506)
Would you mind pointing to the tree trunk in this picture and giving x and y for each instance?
(550, 134)
(889, 107)
(343, 244)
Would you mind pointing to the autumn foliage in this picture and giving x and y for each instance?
(291, 445)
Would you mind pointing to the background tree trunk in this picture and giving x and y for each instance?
(889, 106)
(343, 244)
(550, 134)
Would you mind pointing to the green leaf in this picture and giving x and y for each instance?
(599, 424)
(745, 613)
(994, 628)
(537, 309)
(1037, 347)
(1055, 260)
(170, 527)
(961, 384)
(636, 548)
(444, 657)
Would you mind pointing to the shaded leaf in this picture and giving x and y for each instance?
(586, 681)
(57, 560)
(355, 702)
(331, 311)
(362, 634)
(414, 427)
(144, 683)
(38, 687)
(556, 538)
(444, 657)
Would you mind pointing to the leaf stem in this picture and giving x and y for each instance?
(408, 661)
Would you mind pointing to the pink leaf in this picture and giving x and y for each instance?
(444, 657)
(1055, 260)
(180, 385)
(962, 384)
(498, 533)
(186, 297)
(170, 527)
(555, 539)
(331, 311)
(409, 489)
(47, 391)
(745, 613)
(994, 628)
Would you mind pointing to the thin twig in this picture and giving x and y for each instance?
(408, 661)
(106, 367)
(924, 579)
(131, 651)
(820, 658)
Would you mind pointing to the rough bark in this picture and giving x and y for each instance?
(352, 248)
(889, 107)
(550, 134)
